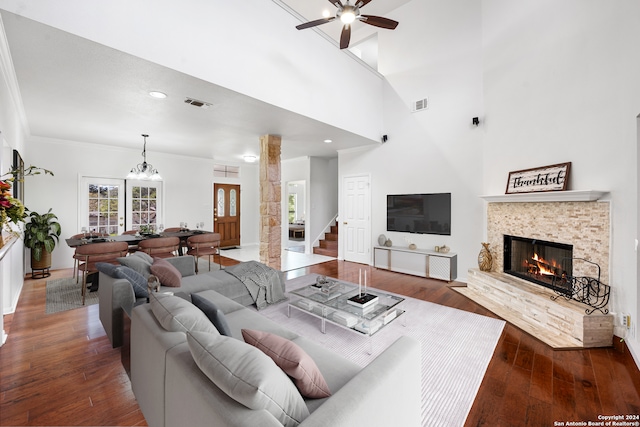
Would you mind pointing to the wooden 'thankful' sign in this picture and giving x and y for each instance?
(546, 178)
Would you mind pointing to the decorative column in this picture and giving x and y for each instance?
(270, 198)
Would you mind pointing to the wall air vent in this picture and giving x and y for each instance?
(419, 105)
(196, 103)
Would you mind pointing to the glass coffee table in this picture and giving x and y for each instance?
(331, 302)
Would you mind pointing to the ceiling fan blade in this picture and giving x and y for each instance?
(345, 37)
(315, 23)
(361, 3)
(337, 3)
(378, 21)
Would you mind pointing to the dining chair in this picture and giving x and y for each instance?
(207, 244)
(173, 229)
(92, 253)
(183, 242)
(160, 247)
(132, 248)
(90, 235)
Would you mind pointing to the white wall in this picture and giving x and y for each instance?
(322, 197)
(239, 45)
(188, 186)
(435, 150)
(561, 84)
(321, 201)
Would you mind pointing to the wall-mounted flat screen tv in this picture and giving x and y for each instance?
(419, 213)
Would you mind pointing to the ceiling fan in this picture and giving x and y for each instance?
(347, 14)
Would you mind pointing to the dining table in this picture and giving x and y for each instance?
(134, 239)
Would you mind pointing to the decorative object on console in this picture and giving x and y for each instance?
(388, 243)
(382, 239)
(541, 179)
(411, 245)
(144, 170)
(485, 259)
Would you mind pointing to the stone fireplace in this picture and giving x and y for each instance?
(583, 225)
(536, 247)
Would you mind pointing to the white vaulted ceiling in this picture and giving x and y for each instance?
(79, 90)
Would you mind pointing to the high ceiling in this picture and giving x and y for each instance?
(78, 90)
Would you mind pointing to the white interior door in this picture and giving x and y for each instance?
(144, 204)
(356, 219)
(101, 205)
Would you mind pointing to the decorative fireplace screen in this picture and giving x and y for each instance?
(548, 264)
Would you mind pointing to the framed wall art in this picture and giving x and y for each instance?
(540, 179)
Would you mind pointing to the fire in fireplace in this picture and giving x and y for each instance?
(545, 263)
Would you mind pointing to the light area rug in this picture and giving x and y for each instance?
(456, 349)
(65, 294)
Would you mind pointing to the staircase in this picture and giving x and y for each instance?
(328, 245)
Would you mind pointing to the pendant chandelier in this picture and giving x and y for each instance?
(144, 170)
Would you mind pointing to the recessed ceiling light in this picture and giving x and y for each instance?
(159, 95)
(250, 159)
(328, 141)
(326, 13)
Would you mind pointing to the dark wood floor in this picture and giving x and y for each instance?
(60, 369)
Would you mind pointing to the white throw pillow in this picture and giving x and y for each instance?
(248, 376)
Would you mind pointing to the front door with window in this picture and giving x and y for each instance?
(226, 214)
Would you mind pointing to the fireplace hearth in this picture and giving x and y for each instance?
(548, 264)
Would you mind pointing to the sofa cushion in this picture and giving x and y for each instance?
(292, 360)
(145, 256)
(248, 376)
(136, 263)
(137, 280)
(107, 268)
(213, 313)
(178, 315)
(166, 273)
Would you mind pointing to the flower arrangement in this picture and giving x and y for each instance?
(11, 209)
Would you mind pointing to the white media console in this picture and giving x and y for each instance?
(423, 263)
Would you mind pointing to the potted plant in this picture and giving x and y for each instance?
(12, 210)
(41, 234)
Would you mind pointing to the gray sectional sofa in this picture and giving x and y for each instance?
(170, 384)
(117, 294)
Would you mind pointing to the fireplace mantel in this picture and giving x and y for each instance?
(549, 196)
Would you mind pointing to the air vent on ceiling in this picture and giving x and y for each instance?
(419, 105)
(196, 103)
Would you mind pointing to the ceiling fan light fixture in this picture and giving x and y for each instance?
(347, 17)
